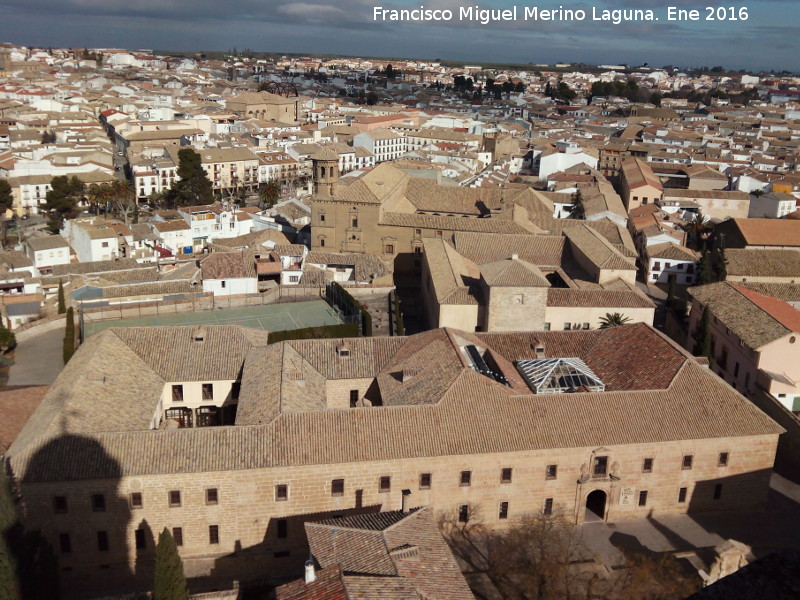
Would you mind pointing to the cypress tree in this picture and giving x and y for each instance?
(702, 338)
(578, 210)
(9, 584)
(69, 336)
(62, 303)
(170, 582)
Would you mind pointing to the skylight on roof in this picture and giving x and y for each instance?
(559, 375)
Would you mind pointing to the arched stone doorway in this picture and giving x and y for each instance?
(595, 506)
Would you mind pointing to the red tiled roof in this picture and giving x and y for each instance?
(328, 586)
(786, 314)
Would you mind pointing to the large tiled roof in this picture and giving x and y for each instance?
(392, 555)
(569, 297)
(754, 318)
(598, 249)
(756, 262)
(95, 420)
(769, 232)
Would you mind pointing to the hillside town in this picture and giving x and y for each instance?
(335, 327)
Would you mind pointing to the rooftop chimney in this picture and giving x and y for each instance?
(311, 574)
(406, 500)
(515, 256)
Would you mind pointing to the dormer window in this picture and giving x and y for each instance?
(342, 349)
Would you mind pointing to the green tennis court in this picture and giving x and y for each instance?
(272, 317)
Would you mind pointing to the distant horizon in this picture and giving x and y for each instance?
(765, 41)
(444, 59)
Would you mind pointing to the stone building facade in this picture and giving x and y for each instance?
(329, 428)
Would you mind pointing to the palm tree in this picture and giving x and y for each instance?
(98, 196)
(613, 320)
(270, 192)
(698, 230)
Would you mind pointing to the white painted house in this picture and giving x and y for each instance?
(670, 260)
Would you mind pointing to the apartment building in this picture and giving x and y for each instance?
(383, 144)
(233, 443)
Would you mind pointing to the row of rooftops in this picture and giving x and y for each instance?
(426, 384)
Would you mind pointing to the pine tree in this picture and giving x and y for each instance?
(170, 582)
(62, 303)
(194, 186)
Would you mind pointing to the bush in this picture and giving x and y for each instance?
(69, 336)
(7, 339)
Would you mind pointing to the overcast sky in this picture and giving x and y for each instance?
(767, 40)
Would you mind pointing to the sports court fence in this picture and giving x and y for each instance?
(156, 308)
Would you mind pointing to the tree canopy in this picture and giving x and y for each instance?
(170, 581)
(6, 197)
(193, 185)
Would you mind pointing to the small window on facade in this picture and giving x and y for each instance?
(222, 283)
(438, 234)
(64, 543)
(281, 492)
(294, 278)
(212, 497)
(466, 478)
(463, 513)
(723, 459)
(503, 510)
(643, 498)
(682, 495)
(353, 398)
(547, 326)
(425, 481)
(551, 472)
(567, 326)
(548, 506)
(657, 266)
(98, 502)
(208, 391)
(388, 249)
(505, 475)
(687, 461)
(647, 465)
(60, 504)
(337, 487)
(718, 491)
(102, 541)
(281, 529)
(175, 498)
(177, 393)
(322, 218)
(141, 540)
(177, 535)
(354, 222)
(385, 484)
(600, 467)
(213, 534)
